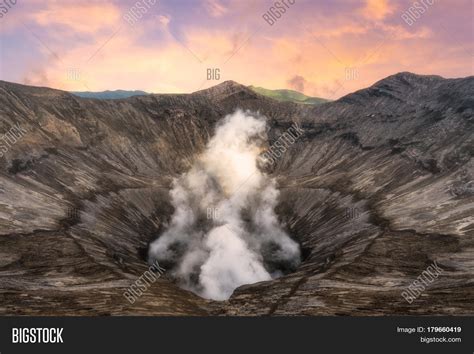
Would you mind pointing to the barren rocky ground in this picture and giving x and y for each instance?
(379, 187)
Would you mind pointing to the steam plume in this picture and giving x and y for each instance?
(224, 232)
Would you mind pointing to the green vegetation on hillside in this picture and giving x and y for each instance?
(288, 95)
(110, 95)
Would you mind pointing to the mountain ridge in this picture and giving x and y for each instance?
(231, 86)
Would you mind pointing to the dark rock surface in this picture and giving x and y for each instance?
(378, 188)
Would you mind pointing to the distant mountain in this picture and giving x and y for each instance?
(110, 95)
(279, 95)
(288, 96)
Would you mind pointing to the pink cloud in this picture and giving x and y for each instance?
(215, 8)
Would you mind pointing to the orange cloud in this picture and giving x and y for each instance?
(80, 17)
(377, 9)
(170, 67)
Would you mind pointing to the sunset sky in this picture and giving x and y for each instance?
(321, 48)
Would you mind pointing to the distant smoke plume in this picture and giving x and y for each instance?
(297, 83)
(224, 232)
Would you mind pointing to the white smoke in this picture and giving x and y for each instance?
(224, 232)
